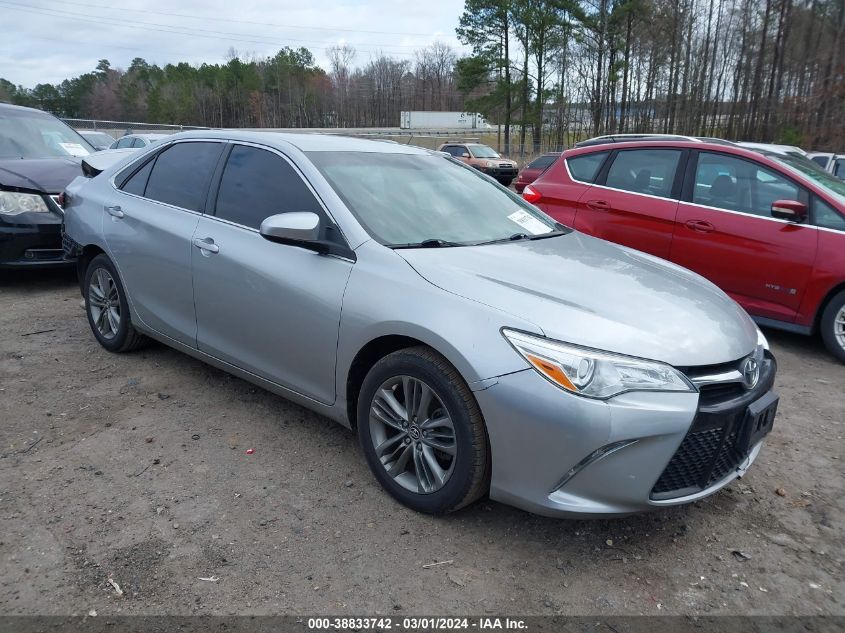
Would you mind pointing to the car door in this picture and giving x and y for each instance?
(560, 189)
(148, 229)
(725, 232)
(634, 200)
(268, 308)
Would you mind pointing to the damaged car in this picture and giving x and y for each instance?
(39, 156)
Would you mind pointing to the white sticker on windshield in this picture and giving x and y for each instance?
(528, 222)
(74, 149)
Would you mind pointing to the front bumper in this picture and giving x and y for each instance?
(557, 454)
(33, 240)
(501, 174)
(31, 246)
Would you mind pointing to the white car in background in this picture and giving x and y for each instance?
(137, 140)
(787, 150)
(830, 162)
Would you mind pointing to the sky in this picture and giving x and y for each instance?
(46, 41)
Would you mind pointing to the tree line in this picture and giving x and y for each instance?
(548, 71)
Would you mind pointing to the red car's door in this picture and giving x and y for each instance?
(634, 201)
(725, 232)
(560, 189)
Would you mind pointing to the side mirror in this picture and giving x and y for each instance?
(465, 155)
(790, 210)
(287, 228)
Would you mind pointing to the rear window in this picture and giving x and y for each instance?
(586, 166)
(542, 162)
(181, 174)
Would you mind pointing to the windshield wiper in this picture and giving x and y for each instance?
(429, 243)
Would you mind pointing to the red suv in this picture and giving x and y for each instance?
(768, 228)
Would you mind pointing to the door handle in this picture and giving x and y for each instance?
(598, 205)
(206, 245)
(115, 211)
(700, 226)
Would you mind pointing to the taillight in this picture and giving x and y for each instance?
(531, 195)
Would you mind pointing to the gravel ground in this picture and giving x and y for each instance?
(134, 468)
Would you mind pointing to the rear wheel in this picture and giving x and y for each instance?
(107, 308)
(833, 326)
(422, 432)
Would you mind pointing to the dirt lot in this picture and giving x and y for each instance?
(134, 468)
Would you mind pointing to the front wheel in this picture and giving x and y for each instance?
(107, 307)
(422, 432)
(833, 326)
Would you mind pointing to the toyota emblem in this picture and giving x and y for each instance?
(750, 372)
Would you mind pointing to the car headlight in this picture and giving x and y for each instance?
(761, 340)
(593, 373)
(12, 203)
(489, 164)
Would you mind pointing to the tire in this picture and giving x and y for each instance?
(115, 332)
(833, 326)
(464, 461)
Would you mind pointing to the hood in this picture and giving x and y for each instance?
(589, 292)
(48, 175)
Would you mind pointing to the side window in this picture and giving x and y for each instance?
(181, 174)
(826, 216)
(451, 149)
(138, 182)
(650, 171)
(139, 142)
(257, 184)
(821, 160)
(586, 166)
(125, 142)
(839, 169)
(735, 184)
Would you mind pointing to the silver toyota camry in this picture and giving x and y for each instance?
(474, 344)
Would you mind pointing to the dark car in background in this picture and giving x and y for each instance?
(534, 169)
(39, 156)
(100, 140)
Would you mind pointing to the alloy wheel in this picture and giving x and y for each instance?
(104, 303)
(839, 327)
(413, 434)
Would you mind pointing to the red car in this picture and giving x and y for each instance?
(534, 169)
(768, 228)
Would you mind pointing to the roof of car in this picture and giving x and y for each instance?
(307, 142)
(10, 106)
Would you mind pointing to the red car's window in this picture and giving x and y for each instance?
(826, 216)
(585, 167)
(735, 184)
(648, 171)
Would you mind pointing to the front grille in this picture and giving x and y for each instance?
(710, 450)
(714, 394)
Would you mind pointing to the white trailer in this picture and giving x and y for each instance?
(421, 120)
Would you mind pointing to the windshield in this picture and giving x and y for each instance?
(408, 199)
(25, 134)
(482, 151)
(810, 169)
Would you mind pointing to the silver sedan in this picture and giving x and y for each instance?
(476, 345)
